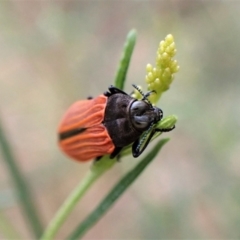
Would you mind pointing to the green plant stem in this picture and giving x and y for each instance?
(115, 193)
(21, 186)
(125, 59)
(94, 173)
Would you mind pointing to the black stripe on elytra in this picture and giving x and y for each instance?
(71, 133)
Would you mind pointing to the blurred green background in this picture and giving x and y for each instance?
(53, 53)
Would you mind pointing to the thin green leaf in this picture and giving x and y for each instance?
(21, 186)
(115, 193)
(125, 59)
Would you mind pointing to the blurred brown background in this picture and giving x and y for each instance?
(55, 52)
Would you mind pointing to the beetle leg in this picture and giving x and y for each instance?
(97, 159)
(136, 151)
(115, 152)
(89, 97)
(113, 90)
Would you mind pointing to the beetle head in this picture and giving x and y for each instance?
(143, 114)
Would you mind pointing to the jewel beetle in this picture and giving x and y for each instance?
(105, 124)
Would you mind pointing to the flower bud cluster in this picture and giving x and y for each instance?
(160, 77)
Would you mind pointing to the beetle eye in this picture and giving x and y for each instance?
(138, 111)
(139, 107)
(140, 123)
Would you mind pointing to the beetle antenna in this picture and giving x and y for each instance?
(140, 91)
(145, 96)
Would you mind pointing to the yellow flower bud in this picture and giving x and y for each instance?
(160, 77)
(149, 67)
(169, 38)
